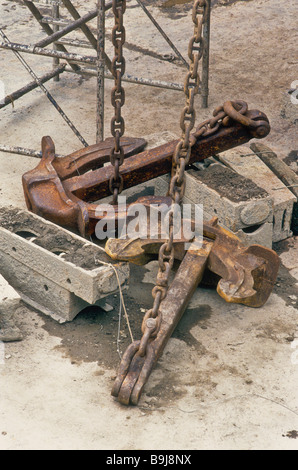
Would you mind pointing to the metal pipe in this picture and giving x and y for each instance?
(46, 92)
(100, 70)
(47, 29)
(205, 58)
(46, 3)
(75, 43)
(130, 79)
(149, 82)
(178, 54)
(56, 15)
(89, 60)
(87, 32)
(10, 99)
(52, 21)
(22, 151)
(48, 53)
(68, 29)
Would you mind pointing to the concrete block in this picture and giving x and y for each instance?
(240, 205)
(260, 234)
(283, 199)
(54, 270)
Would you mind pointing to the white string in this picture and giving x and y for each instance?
(122, 302)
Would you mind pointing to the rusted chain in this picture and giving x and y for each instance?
(117, 98)
(152, 319)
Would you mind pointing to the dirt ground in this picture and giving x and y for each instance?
(228, 378)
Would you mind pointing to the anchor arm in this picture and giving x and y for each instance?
(246, 274)
(52, 191)
(94, 156)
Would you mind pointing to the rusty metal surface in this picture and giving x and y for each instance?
(95, 156)
(136, 367)
(245, 275)
(45, 194)
(155, 162)
(63, 190)
(181, 157)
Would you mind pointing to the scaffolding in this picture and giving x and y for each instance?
(57, 28)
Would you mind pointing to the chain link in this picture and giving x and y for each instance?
(117, 98)
(152, 319)
(220, 118)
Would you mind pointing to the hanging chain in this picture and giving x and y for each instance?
(152, 319)
(117, 97)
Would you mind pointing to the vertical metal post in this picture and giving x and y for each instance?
(56, 15)
(205, 58)
(100, 70)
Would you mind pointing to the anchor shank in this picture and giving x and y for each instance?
(128, 388)
(152, 163)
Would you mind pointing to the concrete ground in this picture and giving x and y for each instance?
(228, 378)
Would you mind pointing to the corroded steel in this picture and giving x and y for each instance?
(117, 98)
(136, 367)
(63, 190)
(180, 161)
(243, 275)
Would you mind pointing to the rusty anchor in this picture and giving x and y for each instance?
(63, 190)
(243, 275)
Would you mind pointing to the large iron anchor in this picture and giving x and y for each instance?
(63, 190)
(243, 275)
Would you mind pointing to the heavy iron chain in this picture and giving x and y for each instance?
(117, 98)
(152, 319)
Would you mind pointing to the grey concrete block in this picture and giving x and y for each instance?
(236, 201)
(40, 292)
(52, 269)
(260, 234)
(283, 172)
(240, 205)
(283, 200)
(289, 108)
